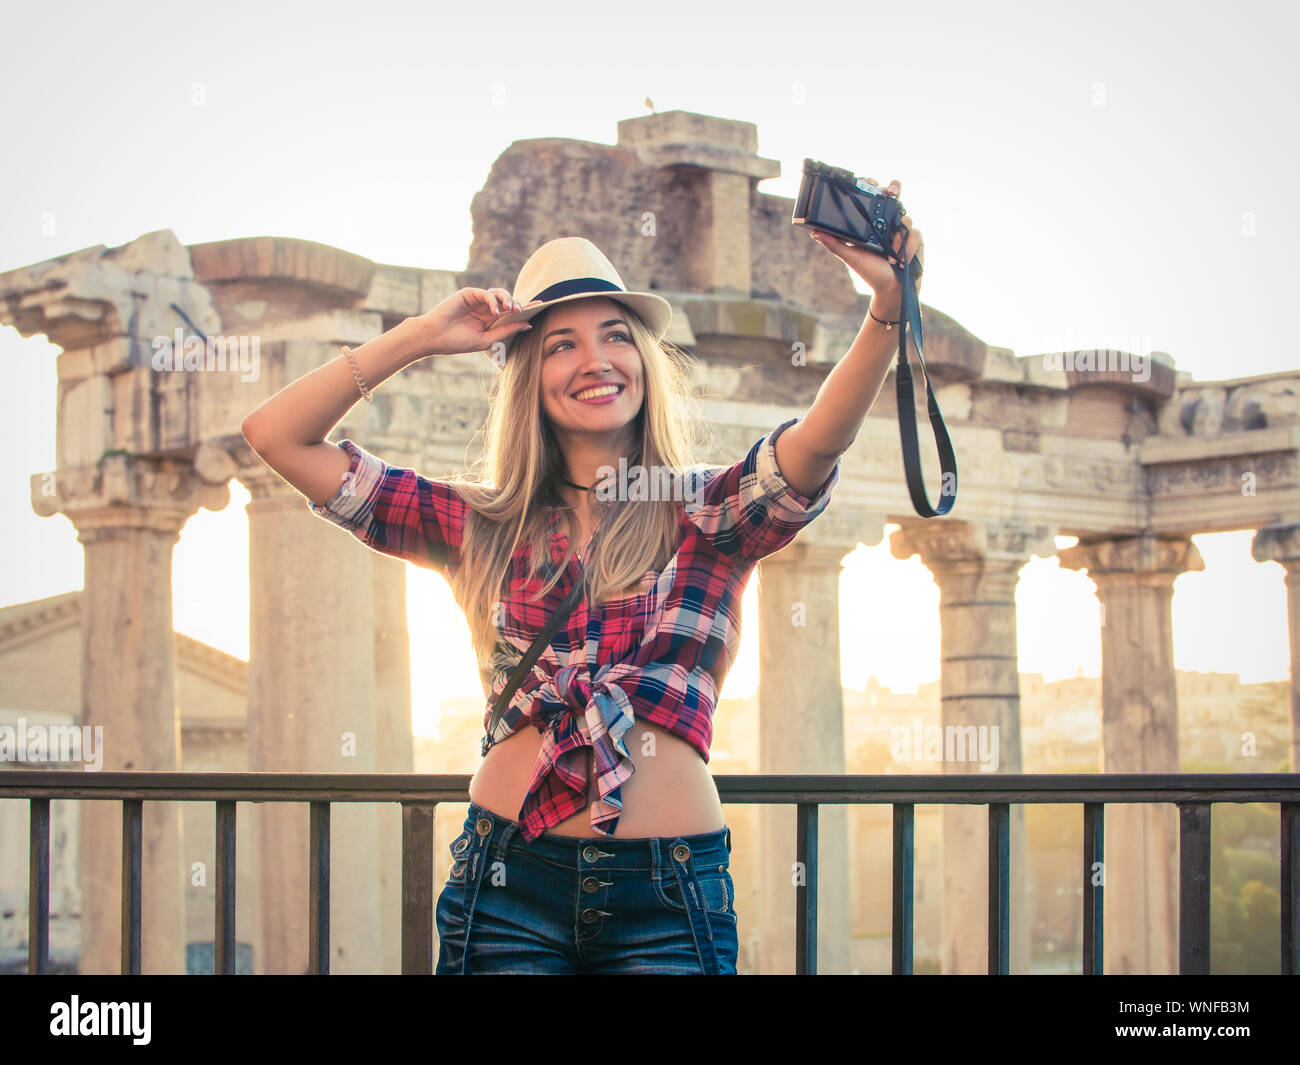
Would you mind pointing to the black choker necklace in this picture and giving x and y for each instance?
(577, 486)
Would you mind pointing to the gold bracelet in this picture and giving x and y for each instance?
(347, 351)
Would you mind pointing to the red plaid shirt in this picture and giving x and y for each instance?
(659, 654)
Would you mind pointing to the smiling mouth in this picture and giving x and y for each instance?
(598, 391)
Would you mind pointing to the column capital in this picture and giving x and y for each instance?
(944, 544)
(1278, 543)
(973, 561)
(809, 557)
(1151, 560)
(836, 532)
(126, 492)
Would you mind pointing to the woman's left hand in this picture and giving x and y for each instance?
(875, 269)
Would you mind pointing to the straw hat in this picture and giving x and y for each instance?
(573, 268)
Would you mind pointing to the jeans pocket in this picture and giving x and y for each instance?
(715, 887)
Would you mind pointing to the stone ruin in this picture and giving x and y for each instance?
(1049, 444)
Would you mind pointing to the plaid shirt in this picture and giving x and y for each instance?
(659, 654)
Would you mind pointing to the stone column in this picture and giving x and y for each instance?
(128, 514)
(311, 709)
(1139, 713)
(729, 261)
(719, 159)
(1281, 543)
(801, 730)
(395, 745)
(976, 568)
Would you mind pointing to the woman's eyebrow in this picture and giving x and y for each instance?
(612, 321)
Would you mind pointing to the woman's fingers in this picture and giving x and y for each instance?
(502, 302)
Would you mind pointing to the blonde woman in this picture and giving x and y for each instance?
(595, 840)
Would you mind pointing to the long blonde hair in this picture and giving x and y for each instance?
(509, 489)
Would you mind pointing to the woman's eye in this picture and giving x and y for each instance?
(616, 333)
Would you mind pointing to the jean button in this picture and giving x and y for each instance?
(589, 853)
(461, 844)
(484, 826)
(681, 852)
(590, 884)
(590, 916)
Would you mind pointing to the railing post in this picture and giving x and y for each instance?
(318, 890)
(223, 960)
(904, 881)
(417, 887)
(805, 894)
(999, 888)
(131, 842)
(1290, 884)
(38, 886)
(1194, 888)
(1094, 886)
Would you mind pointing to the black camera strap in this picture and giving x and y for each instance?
(910, 320)
(539, 644)
(526, 663)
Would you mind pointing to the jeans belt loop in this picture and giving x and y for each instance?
(504, 840)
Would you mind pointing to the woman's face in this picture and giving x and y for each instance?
(586, 344)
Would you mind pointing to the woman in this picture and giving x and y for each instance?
(595, 839)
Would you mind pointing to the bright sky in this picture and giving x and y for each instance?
(1108, 171)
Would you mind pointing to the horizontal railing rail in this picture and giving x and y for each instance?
(419, 794)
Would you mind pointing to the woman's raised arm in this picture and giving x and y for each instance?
(808, 450)
(288, 430)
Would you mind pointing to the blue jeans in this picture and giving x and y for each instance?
(598, 905)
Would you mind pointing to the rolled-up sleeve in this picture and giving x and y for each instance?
(749, 510)
(396, 511)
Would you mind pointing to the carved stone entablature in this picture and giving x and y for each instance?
(91, 296)
(125, 492)
(1087, 473)
(1210, 408)
(1229, 473)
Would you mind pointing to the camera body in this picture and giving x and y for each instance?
(832, 200)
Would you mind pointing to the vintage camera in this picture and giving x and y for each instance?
(833, 201)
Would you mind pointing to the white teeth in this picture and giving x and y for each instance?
(593, 393)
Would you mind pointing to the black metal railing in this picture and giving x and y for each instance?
(419, 795)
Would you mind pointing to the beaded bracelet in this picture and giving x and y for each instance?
(347, 351)
(888, 325)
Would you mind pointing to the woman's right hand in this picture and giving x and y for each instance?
(463, 322)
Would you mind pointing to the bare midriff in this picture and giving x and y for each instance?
(672, 792)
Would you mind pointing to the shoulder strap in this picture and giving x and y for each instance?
(539, 644)
(911, 316)
(526, 663)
